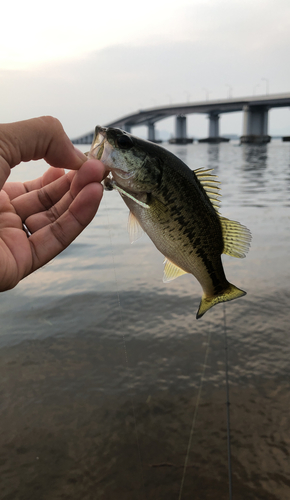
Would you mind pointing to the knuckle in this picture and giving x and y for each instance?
(45, 199)
(52, 122)
(53, 214)
(59, 233)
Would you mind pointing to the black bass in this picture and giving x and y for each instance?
(177, 208)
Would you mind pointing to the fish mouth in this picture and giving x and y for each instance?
(102, 150)
(98, 145)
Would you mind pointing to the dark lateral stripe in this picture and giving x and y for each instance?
(218, 287)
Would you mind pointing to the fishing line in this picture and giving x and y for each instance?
(194, 415)
(123, 337)
(228, 407)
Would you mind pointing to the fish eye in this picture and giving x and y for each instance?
(124, 142)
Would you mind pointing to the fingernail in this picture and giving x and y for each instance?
(81, 155)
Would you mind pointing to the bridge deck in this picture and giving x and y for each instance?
(214, 107)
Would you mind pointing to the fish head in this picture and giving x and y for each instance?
(127, 157)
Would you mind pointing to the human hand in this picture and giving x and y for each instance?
(55, 207)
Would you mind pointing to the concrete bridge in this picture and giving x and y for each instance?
(255, 123)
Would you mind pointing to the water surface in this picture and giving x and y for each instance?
(101, 362)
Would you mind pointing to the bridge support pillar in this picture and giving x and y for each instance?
(151, 132)
(255, 128)
(180, 131)
(214, 130)
(180, 127)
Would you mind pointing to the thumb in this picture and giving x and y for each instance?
(34, 139)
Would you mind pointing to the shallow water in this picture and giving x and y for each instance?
(101, 362)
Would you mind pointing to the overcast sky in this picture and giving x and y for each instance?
(92, 62)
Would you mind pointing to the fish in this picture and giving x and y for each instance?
(177, 207)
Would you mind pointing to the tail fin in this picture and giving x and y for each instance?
(230, 293)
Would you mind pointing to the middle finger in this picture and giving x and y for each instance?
(41, 199)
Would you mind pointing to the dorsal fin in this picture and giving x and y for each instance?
(210, 185)
(134, 229)
(236, 238)
(171, 271)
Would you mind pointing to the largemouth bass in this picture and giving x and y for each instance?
(177, 208)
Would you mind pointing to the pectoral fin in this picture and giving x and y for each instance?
(134, 228)
(171, 271)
